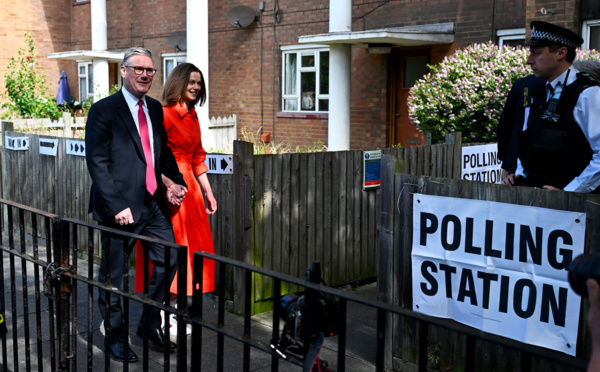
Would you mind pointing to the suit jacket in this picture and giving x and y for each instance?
(512, 119)
(116, 162)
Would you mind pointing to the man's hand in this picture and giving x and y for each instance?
(511, 179)
(551, 187)
(176, 193)
(124, 217)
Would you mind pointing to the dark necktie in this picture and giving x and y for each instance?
(554, 96)
(145, 137)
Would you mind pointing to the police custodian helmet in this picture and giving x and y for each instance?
(544, 34)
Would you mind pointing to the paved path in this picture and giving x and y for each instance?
(361, 340)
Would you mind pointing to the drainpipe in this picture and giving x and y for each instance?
(340, 20)
(99, 43)
(197, 53)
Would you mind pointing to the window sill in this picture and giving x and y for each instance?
(81, 2)
(303, 115)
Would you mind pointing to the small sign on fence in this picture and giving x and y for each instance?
(76, 147)
(219, 164)
(371, 169)
(481, 163)
(501, 268)
(17, 143)
(48, 146)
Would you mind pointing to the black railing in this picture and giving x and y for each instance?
(70, 339)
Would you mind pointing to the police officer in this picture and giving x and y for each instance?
(560, 144)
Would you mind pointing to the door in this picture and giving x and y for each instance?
(407, 68)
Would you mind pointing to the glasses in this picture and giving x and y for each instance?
(140, 70)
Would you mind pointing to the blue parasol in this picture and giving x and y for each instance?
(63, 97)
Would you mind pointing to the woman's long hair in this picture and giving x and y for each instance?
(177, 83)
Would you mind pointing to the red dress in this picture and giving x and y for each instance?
(190, 221)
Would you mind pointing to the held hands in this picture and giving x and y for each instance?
(176, 193)
(124, 217)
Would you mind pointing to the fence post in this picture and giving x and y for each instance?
(68, 122)
(243, 176)
(455, 139)
(390, 165)
(7, 126)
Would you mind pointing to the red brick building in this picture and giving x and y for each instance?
(269, 73)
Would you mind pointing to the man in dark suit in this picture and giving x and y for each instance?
(126, 154)
(511, 121)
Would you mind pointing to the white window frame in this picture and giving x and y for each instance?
(88, 76)
(300, 50)
(510, 34)
(586, 30)
(176, 58)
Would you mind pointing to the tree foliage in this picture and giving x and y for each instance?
(467, 91)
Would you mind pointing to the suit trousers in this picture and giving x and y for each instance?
(116, 248)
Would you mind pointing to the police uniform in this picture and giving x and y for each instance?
(560, 142)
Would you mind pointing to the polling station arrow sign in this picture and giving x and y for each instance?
(219, 164)
(48, 146)
(17, 143)
(76, 147)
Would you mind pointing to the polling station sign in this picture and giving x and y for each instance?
(501, 268)
(481, 163)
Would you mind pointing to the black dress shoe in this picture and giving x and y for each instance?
(157, 337)
(117, 352)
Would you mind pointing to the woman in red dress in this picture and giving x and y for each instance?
(183, 90)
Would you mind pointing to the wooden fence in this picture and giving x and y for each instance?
(275, 211)
(394, 261)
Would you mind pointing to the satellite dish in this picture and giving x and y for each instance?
(241, 16)
(178, 40)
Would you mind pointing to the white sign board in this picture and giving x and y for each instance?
(219, 164)
(48, 146)
(501, 268)
(17, 143)
(76, 147)
(481, 163)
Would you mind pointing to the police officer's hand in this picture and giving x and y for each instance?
(512, 179)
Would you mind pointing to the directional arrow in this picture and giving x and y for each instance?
(224, 164)
(17, 143)
(47, 144)
(75, 147)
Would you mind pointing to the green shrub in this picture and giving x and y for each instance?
(26, 86)
(467, 91)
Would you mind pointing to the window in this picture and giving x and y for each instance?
(86, 81)
(305, 79)
(170, 61)
(511, 37)
(591, 34)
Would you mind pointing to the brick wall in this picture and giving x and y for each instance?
(236, 60)
(245, 64)
(47, 22)
(134, 23)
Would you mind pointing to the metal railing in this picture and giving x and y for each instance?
(71, 340)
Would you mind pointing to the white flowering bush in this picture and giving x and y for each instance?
(467, 91)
